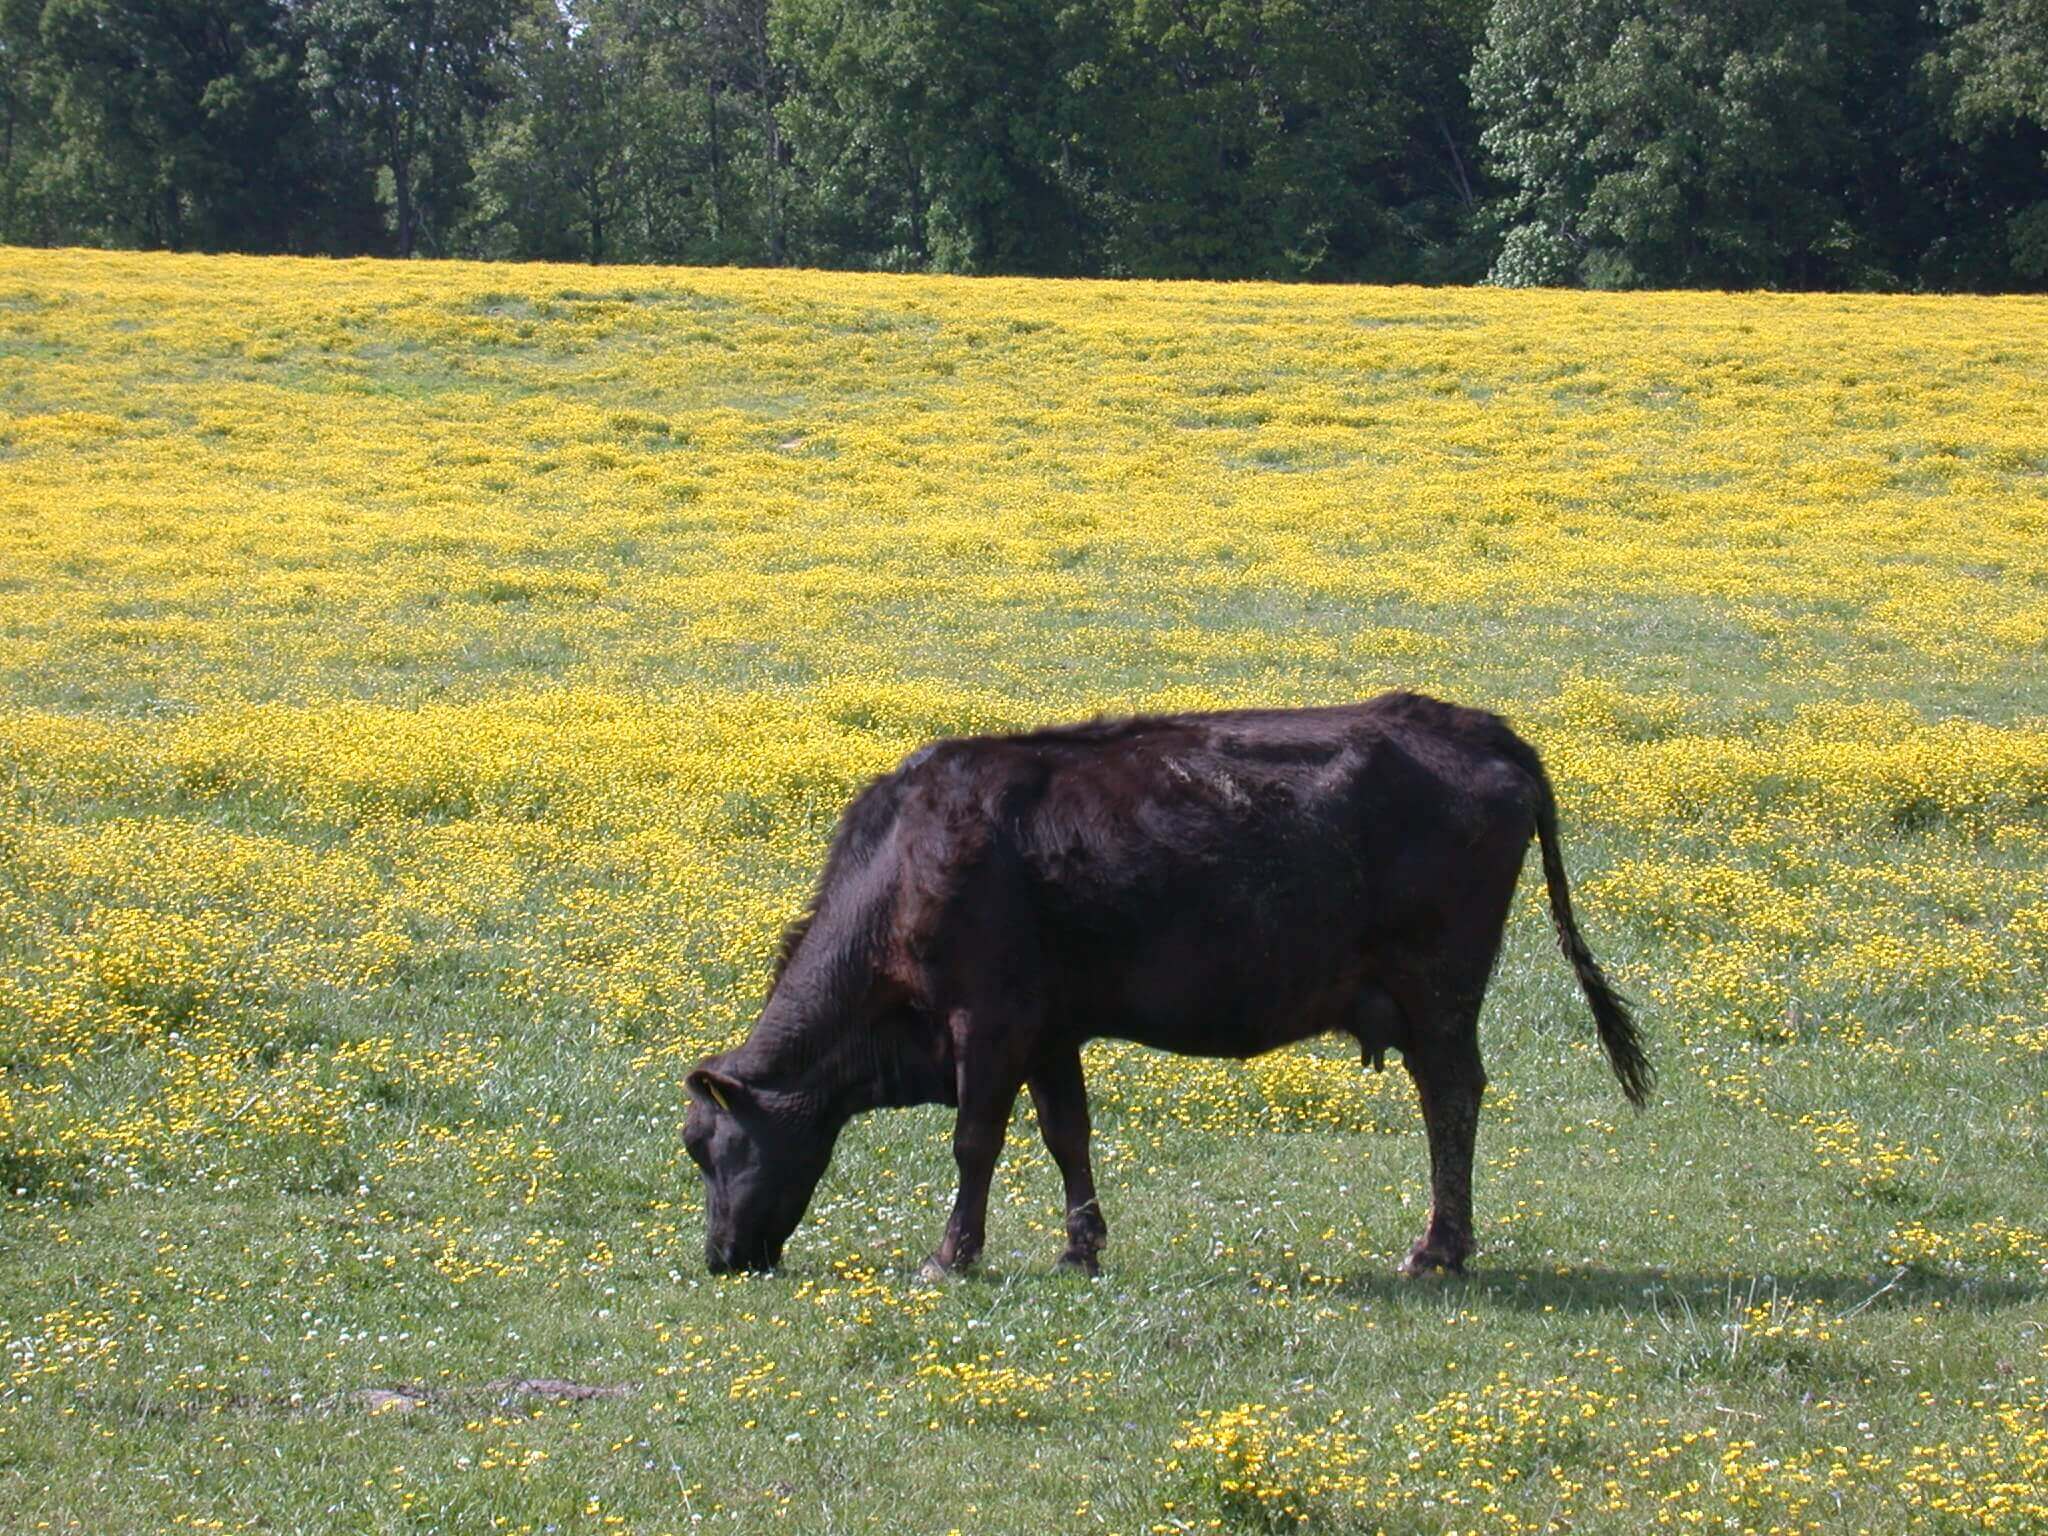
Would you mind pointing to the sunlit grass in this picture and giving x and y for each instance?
(426, 694)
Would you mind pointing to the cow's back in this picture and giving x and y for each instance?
(1221, 883)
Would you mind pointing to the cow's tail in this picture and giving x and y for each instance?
(1619, 1036)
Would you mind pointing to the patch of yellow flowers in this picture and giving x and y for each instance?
(1513, 1458)
(352, 607)
(367, 620)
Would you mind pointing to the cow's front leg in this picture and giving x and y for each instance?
(1449, 1080)
(977, 1142)
(1061, 1099)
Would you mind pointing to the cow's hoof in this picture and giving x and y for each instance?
(1080, 1262)
(1429, 1261)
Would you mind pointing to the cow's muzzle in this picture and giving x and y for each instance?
(736, 1258)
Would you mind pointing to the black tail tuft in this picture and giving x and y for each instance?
(1619, 1035)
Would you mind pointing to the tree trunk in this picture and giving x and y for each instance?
(7, 187)
(778, 246)
(717, 180)
(763, 62)
(914, 187)
(1464, 183)
(403, 189)
(401, 176)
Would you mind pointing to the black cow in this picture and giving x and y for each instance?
(1212, 884)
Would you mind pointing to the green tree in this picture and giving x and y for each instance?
(1992, 76)
(1435, 193)
(1285, 138)
(1239, 133)
(552, 168)
(715, 179)
(635, 130)
(1998, 51)
(1679, 142)
(26, 91)
(931, 133)
(179, 122)
(405, 83)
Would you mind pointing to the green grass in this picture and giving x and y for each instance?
(265, 1189)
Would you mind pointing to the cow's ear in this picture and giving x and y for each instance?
(720, 1089)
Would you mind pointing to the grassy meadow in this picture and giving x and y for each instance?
(426, 690)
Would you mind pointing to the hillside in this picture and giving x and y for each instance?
(426, 694)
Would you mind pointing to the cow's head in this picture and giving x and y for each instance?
(761, 1158)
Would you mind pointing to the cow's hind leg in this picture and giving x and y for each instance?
(1438, 993)
(1449, 1080)
(1061, 1099)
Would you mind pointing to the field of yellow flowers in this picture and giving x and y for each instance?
(426, 691)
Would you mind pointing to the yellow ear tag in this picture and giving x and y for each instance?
(711, 1087)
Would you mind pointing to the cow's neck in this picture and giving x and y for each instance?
(836, 1067)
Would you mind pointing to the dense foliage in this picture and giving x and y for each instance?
(1817, 143)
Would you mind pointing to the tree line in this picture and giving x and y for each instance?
(1612, 143)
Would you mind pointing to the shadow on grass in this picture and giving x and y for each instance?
(1586, 1289)
(1634, 1289)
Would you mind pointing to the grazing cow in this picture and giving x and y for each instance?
(1212, 884)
